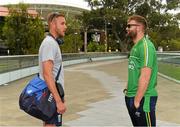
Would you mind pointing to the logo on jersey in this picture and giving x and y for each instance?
(131, 65)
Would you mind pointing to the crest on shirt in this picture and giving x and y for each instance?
(131, 65)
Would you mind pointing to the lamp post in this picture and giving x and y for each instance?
(75, 41)
(85, 40)
(105, 32)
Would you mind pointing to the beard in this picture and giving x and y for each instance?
(59, 33)
(131, 34)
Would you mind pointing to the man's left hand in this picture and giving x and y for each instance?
(136, 104)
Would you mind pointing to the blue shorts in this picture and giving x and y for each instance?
(56, 120)
(138, 116)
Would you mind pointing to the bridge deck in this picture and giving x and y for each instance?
(94, 98)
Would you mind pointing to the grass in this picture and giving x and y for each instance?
(171, 70)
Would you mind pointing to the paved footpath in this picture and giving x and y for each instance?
(93, 97)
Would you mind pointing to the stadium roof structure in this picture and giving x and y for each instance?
(73, 3)
(45, 6)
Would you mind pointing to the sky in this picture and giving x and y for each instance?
(74, 3)
(172, 11)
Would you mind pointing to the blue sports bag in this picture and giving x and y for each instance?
(37, 100)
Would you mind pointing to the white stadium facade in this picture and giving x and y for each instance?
(45, 6)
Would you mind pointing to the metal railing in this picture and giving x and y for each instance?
(11, 63)
(16, 67)
(173, 58)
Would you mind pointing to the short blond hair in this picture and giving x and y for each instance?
(139, 19)
(54, 15)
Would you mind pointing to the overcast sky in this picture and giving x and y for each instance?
(75, 3)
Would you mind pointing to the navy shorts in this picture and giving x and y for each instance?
(138, 116)
(56, 120)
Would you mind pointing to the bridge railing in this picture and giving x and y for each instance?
(16, 67)
(173, 58)
(11, 63)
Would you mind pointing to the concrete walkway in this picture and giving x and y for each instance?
(93, 97)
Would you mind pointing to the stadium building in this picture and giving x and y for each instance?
(45, 6)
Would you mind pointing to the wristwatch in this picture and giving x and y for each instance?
(125, 91)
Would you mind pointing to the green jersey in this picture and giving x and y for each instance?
(143, 54)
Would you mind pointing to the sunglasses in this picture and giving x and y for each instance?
(129, 25)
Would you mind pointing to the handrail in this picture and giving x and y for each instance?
(16, 67)
(11, 63)
(15, 62)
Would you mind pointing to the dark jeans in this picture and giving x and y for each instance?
(138, 116)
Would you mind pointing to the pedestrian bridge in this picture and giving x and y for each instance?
(93, 97)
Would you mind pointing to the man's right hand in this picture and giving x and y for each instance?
(61, 107)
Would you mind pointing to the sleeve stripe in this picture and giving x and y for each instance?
(145, 53)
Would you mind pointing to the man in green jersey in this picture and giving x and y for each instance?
(141, 95)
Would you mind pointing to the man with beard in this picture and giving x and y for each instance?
(141, 95)
(50, 60)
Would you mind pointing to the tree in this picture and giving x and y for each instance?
(163, 25)
(73, 42)
(73, 39)
(23, 32)
(1, 28)
(35, 35)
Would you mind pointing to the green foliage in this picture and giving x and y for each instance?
(172, 4)
(163, 26)
(174, 45)
(95, 47)
(73, 39)
(35, 35)
(72, 43)
(101, 48)
(73, 25)
(92, 47)
(1, 30)
(170, 45)
(23, 33)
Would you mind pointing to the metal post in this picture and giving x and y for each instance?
(105, 30)
(85, 40)
(75, 41)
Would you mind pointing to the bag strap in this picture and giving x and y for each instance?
(60, 65)
(58, 73)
